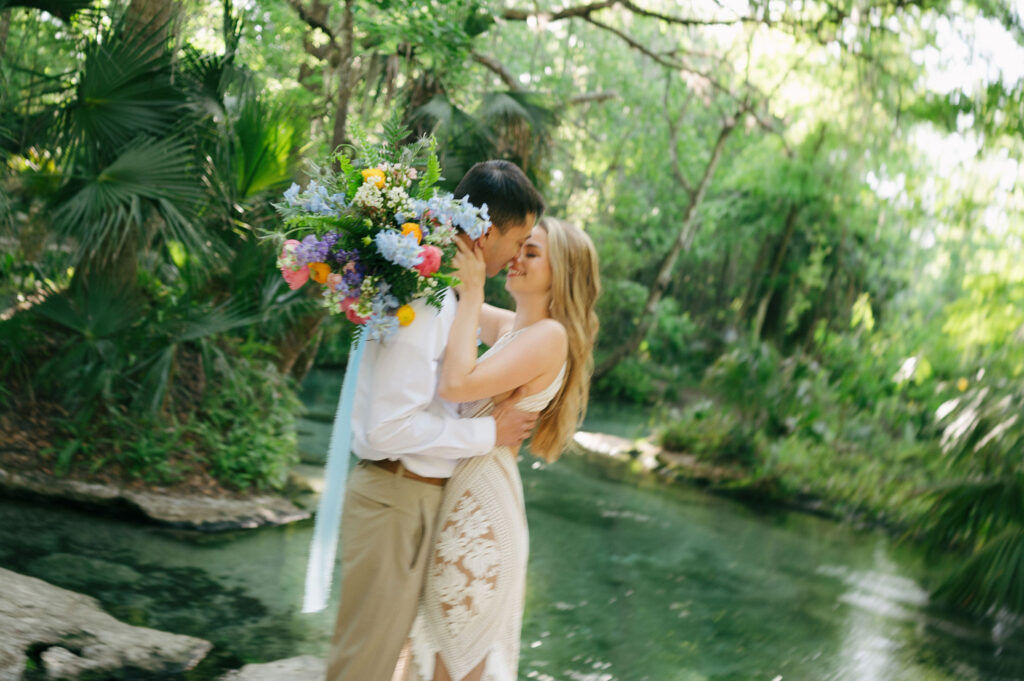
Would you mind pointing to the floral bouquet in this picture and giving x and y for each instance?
(376, 234)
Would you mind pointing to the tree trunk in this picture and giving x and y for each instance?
(5, 29)
(346, 80)
(295, 340)
(682, 242)
(150, 19)
(780, 257)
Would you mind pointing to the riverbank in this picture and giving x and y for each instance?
(790, 489)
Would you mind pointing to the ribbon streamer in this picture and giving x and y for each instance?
(322, 552)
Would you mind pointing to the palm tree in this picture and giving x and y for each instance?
(982, 514)
(154, 169)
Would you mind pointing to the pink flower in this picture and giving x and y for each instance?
(295, 278)
(347, 306)
(295, 274)
(333, 279)
(431, 261)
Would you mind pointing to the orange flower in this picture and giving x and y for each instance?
(405, 315)
(319, 271)
(375, 175)
(414, 229)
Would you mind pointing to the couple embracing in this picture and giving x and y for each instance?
(434, 535)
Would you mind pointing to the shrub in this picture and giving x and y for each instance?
(715, 434)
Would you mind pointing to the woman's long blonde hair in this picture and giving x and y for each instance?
(575, 286)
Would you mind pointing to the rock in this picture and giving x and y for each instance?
(69, 635)
(194, 512)
(303, 668)
(619, 448)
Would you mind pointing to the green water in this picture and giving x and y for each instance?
(626, 583)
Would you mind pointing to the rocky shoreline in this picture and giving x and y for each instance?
(53, 633)
(188, 512)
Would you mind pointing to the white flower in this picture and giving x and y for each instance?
(440, 235)
(451, 585)
(481, 557)
(475, 524)
(466, 507)
(451, 544)
(368, 196)
(398, 198)
(480, 591)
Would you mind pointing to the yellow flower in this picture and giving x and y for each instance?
(962, 384)
(414, 229)
(375, 175)
(405, 315)
(319, 271)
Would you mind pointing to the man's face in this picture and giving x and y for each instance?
(500, 248)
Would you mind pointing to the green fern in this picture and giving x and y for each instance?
(432, 175)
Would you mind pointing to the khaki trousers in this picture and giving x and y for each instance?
(387, 533)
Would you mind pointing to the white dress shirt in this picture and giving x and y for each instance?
(397, 412)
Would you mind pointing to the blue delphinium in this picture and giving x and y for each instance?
(448, 210)
(292, 194)
(401, 249)
(315, 199)
(381, 326)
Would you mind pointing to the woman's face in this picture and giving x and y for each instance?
(530, 271)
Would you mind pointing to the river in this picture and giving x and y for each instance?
(627, 582)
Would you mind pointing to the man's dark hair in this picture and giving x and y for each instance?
(506, 190)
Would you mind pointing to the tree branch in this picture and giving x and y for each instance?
(319, 23)
(498, 68)
(588, 97)
(567, 13)
(673, 142)
(682, 243)
(584, 12)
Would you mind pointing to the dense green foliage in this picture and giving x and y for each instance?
(810, 224)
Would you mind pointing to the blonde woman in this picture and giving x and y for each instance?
(468, 623)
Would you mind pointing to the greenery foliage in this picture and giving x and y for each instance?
(810, 226)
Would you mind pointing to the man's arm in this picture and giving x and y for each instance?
(403, 417)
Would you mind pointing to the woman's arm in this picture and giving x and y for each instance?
(494, 323)
(538, 350)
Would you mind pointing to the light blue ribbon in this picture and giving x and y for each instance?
(322, 552)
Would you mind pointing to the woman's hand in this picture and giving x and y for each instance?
(471, 270)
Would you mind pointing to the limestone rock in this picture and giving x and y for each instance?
(71, 635)
(207, 514)
(619, 448)
(303, 668)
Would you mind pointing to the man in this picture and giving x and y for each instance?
(409, 441)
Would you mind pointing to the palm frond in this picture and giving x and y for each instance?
(970, 512)
(125, 89)
(991, 578)
(101, 311)
(232, 314)
(106, 206)
(264, 145)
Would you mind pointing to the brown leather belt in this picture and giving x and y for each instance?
(396, 466)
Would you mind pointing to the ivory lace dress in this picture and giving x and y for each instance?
(472, 603)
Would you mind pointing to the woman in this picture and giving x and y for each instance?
(470, 615)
